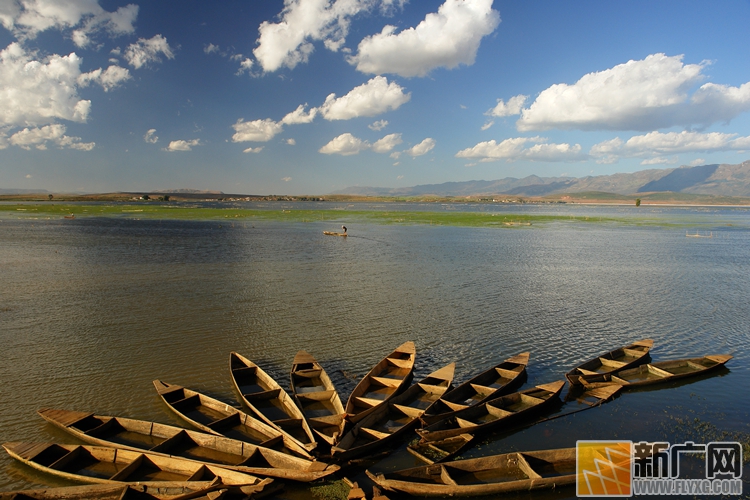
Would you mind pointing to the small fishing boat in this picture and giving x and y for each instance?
(503, 411)
(392, 420)
(268, 400)
(99, 464)
(142, 435)
(215, 417)
(619, 359)
(216, 491)
(491, 475)
(657, 373)
(318, 398)
(386, 379)
(490, 384)
(333, 233)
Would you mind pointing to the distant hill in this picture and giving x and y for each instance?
(714, 180)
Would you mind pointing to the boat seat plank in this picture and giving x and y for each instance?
(432, 389)
(373, 433)
(123, 473)
(61, 462)
(454, 406)
(168, 443)
(401, 363)
(368, 402)
(611, 363)
(103, 428)
(633, 352)
(288, 422)
(198, 474)
(260, 396)
(464, 423)
(225, 422)
(327, 420)
(658, 371)
(386, 382)
(507, 373)
(317, 396)
(584, 371)
(187, 402)
(524, 465)
(482, 389)
(270, 443)
(498, 412)
(245, 370)
(440, 470)
(308, 373)
(408, 411)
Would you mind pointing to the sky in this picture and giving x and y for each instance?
(313, 96)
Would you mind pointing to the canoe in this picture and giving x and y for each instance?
(392, 420)
(99, 464)
(142, 435)
(503, 411)
(496, 474)
(386, 379)
(332, 233)
(318, 398)
(221, 419)
(119, 492)
(619, 359)
(657, 373)
(490, 384)
(268, 400)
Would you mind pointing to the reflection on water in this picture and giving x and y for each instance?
(93, 310)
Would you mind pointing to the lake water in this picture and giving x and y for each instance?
(92, 310)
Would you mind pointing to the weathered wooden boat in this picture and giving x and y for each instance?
(333, 233)
(268, 400)
(99, 464)
(503, 411)
(657, 373)
(318, 398)
(496, 474)
(492, 383)
(386, 379)
(120, 492)
(393, 419)
(215, 417)
(142, 435)
(609, 362)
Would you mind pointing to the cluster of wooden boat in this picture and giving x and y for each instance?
(304, 436)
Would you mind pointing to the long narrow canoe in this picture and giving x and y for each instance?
(268, 401)
(119, 492)
(503, 411)
(612, 361)
(392, 420)
(491, 475)
(657, 373)
(318, 398)
(214, 417)
(142, 435)
(490, 384)
(386, 379)
(99, 464)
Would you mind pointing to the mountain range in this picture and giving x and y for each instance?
(715, 180)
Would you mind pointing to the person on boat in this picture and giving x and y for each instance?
(344, 228)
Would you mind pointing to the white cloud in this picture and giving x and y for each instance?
(422, 148)
(488, 125)
(387, 143)
(671, 143)
(444, 39)
(181, 145)
(345, 145)
(253, 150)
(291, 142)
(300, 116)
(698, 161)
(286, 179)
(648, 94)
(210, 48)
(150, 136)
(256, 130)
(27, 18)
(378, 125)
(516, 149)
(289, 42)
(39, 137)
(37, 92)
(369, 99)
(660, 160)
(512, 107)
(245, 65)
(110, 78)
(144, 51)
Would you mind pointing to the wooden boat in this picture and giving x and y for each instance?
(333, 233)
(268, 401)
(317, 397)
(141, 435)
(214, 417)
(385, 380)
(505, 410)
(490, 384)
(657, 373)
(99, 464)
(619, 359)
(496, 474)
(392, 420)
(120, 492)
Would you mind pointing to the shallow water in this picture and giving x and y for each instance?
(93, 309)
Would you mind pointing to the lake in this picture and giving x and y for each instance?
(92, 310)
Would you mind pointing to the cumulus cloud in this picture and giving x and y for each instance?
(657, 144)
(445, 39)
(256, 130)
(378, 125)
(422, 148)
(369, 99)
(299, 115)
(38, 137)
(144, 52)
(387, 143)
(345, 145)
(246, 65)
(181, 145)
(210, 48)
(659, 160)
(110, 78)
(150, 136)
(512, 107)
(253, 150)
(291, 142)
(642, 95)
(27, 18)
(516, 149)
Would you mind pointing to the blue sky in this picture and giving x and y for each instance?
(313, 96)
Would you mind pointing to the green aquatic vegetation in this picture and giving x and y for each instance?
(330, 490)
(702, 431)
